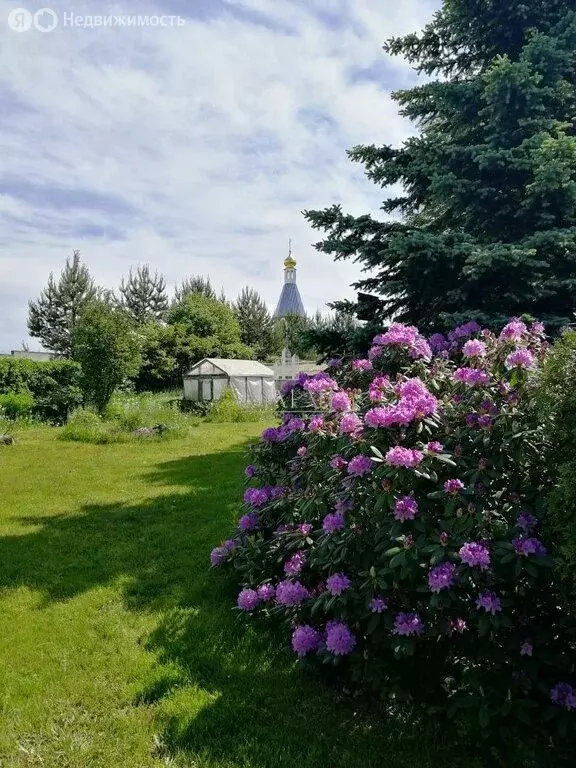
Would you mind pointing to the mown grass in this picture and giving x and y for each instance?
(118, 647)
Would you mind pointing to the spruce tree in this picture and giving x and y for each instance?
(256, 324)
(194, 284)
(485, 223)
(143, 295)
(53, 316)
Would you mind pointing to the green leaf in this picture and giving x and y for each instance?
(484, 716)
(398, 560)
(392, 551)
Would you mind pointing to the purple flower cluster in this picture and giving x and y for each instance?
(471, 376)
(528, 546)
(338, 583)
(315, 424)
(294, 565)
(360, 465)
(294, 425)
(434, 447)
(338, 462)
(526, 522)
(474, 348)
(526, 648)
(350, 424)
(379, 388)
(458, 625)
(564, 695)
(475, 554)
(218, 555)
(441, 577)
(248, 600)
(378, 604)
(462, 331)
(274, 435)
(319, 384)
(453, 485)
(256, 497)
(334, 521)
(305, 639)
(340, 401)
(415, 402)
(513, 331)
(438, 343)
(408, 624)
(520, 358)
(405, 508)
(248, 522)
(490, 602)
(291, 593)
(266, 593)
(339, 638)
(250, 470)
(404, 336)
(343, 505)
(398, 456)
(362, 365)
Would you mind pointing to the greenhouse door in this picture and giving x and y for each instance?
(205, 389)
(219, 385)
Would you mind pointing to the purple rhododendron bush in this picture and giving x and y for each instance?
(393, 530)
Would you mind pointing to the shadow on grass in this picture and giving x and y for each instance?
(257, 710)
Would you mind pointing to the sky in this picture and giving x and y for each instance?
(195, 147)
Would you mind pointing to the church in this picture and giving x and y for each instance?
(290, 303)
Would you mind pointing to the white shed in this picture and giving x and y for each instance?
(251, 381)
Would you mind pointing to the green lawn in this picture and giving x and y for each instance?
(118, 647)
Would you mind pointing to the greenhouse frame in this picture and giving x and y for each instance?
(250, 381)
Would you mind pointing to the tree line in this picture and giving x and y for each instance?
(139, 333)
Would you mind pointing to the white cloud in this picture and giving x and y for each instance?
(193, 148)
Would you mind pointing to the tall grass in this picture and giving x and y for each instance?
(129, 412)
(125, 414)
(228, 410)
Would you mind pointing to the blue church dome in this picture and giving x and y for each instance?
(290, 302)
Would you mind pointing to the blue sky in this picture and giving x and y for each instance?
(192, 148)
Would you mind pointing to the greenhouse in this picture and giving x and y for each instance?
(251, 381)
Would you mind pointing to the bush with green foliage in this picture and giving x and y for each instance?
(395, 534)
(87, 426)
(105, 343)
(198, 326)
(127, 413)
(16, 405)
(55, 386)
(558, 402)
(228, 410)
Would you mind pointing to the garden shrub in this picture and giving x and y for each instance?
(53, 385)
(227, 410)
(126, 413)
(86, 426)
(16, 405)
(395, 532)
(557, 394)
